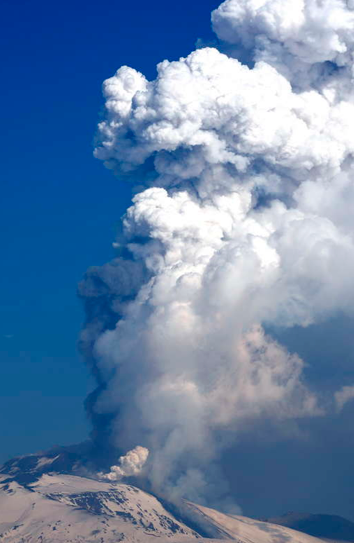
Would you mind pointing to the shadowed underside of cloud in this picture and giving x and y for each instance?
(243, 221)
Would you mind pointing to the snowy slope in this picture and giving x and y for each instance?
(64, 508)
(331, 527)
(243, 529)
(59, 508)
(58, 459)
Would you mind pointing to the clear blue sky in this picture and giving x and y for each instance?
(54, 220)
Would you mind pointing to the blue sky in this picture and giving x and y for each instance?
(59, 206)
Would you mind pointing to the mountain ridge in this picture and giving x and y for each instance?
(40, 504)
(332, 527)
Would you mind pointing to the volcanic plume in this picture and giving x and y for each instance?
(241, 159)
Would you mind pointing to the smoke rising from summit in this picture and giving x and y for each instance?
(246, 160)
(129, 465)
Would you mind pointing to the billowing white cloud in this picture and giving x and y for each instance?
(210, 118)
(245, 220)
(129, 465)
(295, 35)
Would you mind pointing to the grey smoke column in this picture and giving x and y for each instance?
(245, 220)
(104, 291)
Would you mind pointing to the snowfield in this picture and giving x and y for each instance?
(76, 509)
(243, 529)
(67, 508)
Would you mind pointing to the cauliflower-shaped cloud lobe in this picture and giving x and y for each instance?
(243, 219)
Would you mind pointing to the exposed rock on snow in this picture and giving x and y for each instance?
(60, 508)
(66, 508)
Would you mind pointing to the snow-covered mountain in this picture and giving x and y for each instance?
(47, 498)
(331, 527)
(69, 460)
(77, 509)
